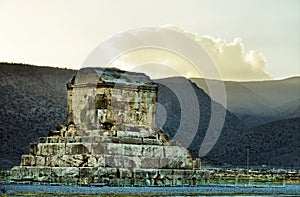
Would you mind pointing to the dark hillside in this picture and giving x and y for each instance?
(275, 143)
(32, 101)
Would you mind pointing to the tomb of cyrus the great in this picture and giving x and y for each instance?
(110, 138)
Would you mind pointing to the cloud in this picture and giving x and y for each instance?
(231, 60)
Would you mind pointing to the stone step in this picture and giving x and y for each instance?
(107, 160)
(109, 176)
(49, 149)
(97, 139)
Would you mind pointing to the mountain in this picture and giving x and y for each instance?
(259, 102)
(275, 143)
(32, 101)
(226, 149)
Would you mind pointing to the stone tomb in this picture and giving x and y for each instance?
(110, 139)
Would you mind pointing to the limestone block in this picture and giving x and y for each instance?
(125, 173)
(166, 163)
(32, 149)
(148, 141)
(124, 182)
(114, 161)
(101, 161)
(153, 151)
(132, 162)
(71, 133)
(115, 139)
(86, 175)
(114, 149)
(167, 176)
(132, 150)
(40, 161)
(55, 133)
(73, 160)
(176, 163)
(85, 133)
(16, 173)
(196, 163)
(50, 149)
(62, 139)
(175, 151)
(77, 139)
(133, 134)
(99, 148)
(106, 172)
(44, 174)
(129, 140)
(52, 139)
(97, 139)
(150, 162)
(39, 149)
(78, 148)
(70, 175)
(43, 140)
(92, 161)
(189, 163)
(66, 161)
(27, 160)
(157, 142)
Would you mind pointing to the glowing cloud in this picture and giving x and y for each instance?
(231, 60)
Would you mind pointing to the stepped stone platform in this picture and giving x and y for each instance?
(110, 138)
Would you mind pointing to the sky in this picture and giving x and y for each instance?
(247, 39)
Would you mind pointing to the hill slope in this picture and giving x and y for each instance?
(226, 150)
(259, 102)
(32, 101)
(275, 143)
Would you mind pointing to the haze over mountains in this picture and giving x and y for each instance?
(33, 101)
(256, 103)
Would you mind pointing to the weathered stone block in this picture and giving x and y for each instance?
(114, 161)
(92, 161)
(101, 161)
(153, 151)
(86, 175)
(78, 148)
(148, 141)
(27, 160)
(32, 149)
(55, 133)
(196, 163)
(43, 140)
(128, 140)
(73, 160)
(175, 151)
(132, 150)
(114, 149)
(125, 173)
(99, 148)
(78, 139)
(132, 162)
(46, 149)
(40, 161)
(52, 139)
(150, 162)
